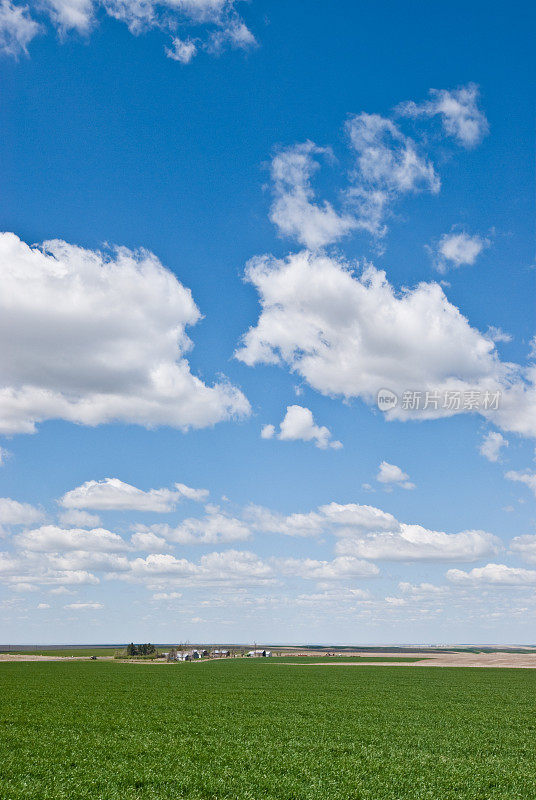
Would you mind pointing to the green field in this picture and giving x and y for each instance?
(257, 729)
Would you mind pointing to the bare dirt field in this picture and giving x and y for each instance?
(497, 660)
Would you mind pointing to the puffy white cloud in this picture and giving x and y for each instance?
(298, 424)
(340, 519)
(79, 519)
(352, 335)
(459, 112)
(295, 211)
(50, 537)
(525, 546)
(229, 567)
(457, 250)
(88, 560)
(391, 474)
(149, 542)
(111, 494)
(182, 50)
(495, 574)
(215, 527)
(14, 513)
(17, 29)
(95, 338)
(415, 543)
(167, 595)
(528, 478)
(341, 568)
(33, 570)
(84, 606)
(491, 445)
(43, 605)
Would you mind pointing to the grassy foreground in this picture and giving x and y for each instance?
(252, 730)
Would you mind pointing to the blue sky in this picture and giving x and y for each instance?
(259, 165)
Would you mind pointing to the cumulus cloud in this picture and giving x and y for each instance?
(111, 494)
(14, 513)
(457, 249)
(415, 543)
(491, 445)
(149, 542)
(17, 29)
(229, 567)
(341, 568)
(525, 547)
(50, 537)
(84, 606)
(351, 335)
(216, 527)
(340, 519)
(95, 338)
(390, 475)
(295, 211)
(528, 478)
(216, 23)
(387, 159)
(459, 112)
(298, 425)
(79, 519)
(495, 574)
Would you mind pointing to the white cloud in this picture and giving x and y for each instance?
(84, 606)
(492, 444)
(167, 596)
(294, 210)
(495, 574)
(149, 542)
(50, 537)
(93, 339)
(216, 23)
(14, 513)
(456, 250)
(88, 561)
(459, 112)
(4, 455)
(17, 29)
(525, 546)
(299, 425)
(528, 478)
(341, 568)
(352, 335)
(387, 159)
(215, 527)
(199, 495)
(111, 494)
(341, 520)
(230, 567)
(79, 519)
(43, 605)
(391, 474)
(415, 543)
(181, 50)
(498, 335)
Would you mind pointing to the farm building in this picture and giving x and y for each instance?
(259, 654)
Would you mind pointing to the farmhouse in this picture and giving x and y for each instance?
(259, 654)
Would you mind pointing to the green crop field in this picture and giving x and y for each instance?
(258, 729)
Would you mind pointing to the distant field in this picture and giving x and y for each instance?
(316, 658)
(71, 651)
(245, 730)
